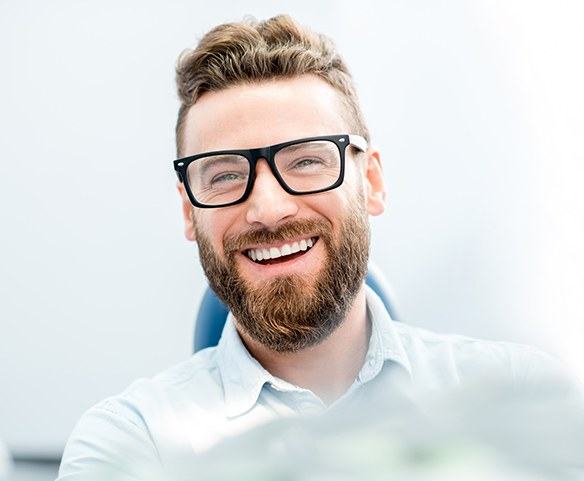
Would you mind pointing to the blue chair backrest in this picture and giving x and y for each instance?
(213, 313)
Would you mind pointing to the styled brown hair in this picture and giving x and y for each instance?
(253, 51)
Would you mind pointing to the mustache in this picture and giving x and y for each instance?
(262, 235)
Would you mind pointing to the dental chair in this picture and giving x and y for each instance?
(212, 312)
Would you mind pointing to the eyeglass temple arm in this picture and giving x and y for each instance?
(358, 141)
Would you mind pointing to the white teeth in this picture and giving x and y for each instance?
(285, 250)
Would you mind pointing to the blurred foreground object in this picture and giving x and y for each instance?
(490, 431)
(5, 462)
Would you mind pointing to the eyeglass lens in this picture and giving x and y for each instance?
(304, 167)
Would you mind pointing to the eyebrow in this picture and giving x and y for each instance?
(314, 145)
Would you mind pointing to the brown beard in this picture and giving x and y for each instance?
(290, 313)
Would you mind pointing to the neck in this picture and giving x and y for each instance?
(329, 368)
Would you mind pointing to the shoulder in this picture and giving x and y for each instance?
(196, 378)
(422, 341)
(136, 423)
(458, 359)
(200, 367)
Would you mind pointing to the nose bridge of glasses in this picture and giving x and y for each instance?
(269, 202)
(265, 154)
(261, 153)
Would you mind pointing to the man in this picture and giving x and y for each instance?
(277, 179)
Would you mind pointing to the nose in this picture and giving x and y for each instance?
(268, 204)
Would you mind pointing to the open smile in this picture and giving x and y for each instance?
(275, 254)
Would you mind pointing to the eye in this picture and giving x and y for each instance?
(306, 162)
(226, 177)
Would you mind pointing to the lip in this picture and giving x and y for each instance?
(298, 265)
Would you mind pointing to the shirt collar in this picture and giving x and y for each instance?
(244, 377)
(385, 343)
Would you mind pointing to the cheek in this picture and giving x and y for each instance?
(215, 225)
(349, 194)
(354, 174)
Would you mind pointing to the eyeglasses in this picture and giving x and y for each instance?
(303, 166)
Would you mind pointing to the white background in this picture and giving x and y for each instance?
(477, 107)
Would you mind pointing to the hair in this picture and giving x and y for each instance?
(254, 51)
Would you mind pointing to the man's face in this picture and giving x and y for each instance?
(296, 300)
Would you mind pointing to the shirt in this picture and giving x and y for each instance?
(223, 391)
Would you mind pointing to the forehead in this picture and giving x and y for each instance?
(265, 113)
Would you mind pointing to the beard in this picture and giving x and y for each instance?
(292, 312)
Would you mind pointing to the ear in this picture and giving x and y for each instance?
(187, 210)
(375, 189)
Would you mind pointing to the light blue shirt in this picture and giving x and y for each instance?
(223, 391)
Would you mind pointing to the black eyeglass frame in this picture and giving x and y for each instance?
(268, 153)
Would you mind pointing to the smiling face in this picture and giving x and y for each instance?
(288, 266)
